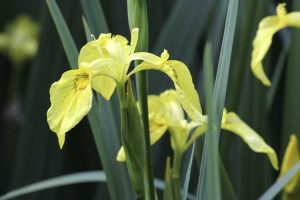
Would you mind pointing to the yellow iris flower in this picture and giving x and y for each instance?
(166, 113)
(268, 26)
(104, 65)
(19, 40)
(291, 157)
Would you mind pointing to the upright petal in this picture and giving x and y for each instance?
(182, 79)
(134, 39)
(90, 52)
(291, 157)
(71, 100)
(233, 123)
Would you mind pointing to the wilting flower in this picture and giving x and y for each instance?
(291, 158)
(166, 113)
(104, 65)
(263, 39)
(19, 40)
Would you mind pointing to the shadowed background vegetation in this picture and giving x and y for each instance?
(29, 152)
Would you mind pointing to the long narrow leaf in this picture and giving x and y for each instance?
(280, 183)
(64, 33)
(65, 180)
(138, 18)
(219, 94)
(94, 16)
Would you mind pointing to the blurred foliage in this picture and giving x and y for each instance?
(29, 151)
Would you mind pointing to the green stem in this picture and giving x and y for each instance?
(176, 189)
(138, 18)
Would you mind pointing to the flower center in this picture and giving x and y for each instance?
(81, 81)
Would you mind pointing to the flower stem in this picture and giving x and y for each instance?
(176, 175)
(138, 18)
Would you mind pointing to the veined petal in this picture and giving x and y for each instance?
(291, 157)
(181, 77)
(134, 39)
(233, 123)
(71, 100)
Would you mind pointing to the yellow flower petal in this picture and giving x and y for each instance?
(293, 19)
(291, 157)
(121, 155)
(103, 76)
(71, 100)
(90, 52)
(233, 123)
(148, 57)
(181, 77)
(172, 110)
(104, 85)
(263, 39)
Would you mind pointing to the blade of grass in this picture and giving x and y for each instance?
(291, 114)
(94, 16)
(224, 60)
(213, 187)
(276, 77)
(107, 143)
(188, 29)
(188, 174)
(64, 33)
(182, 45)
(280, 183)
(219, 100)
(65, 180)
(71, 179)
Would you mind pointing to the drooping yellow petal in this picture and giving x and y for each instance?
(291, 157)
(71, 100)
(233, 123)
(263, 39)
(181, 77)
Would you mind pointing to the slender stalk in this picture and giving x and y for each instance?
(176, 175)
(138, 18)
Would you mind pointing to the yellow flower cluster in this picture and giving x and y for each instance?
(166, 113)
